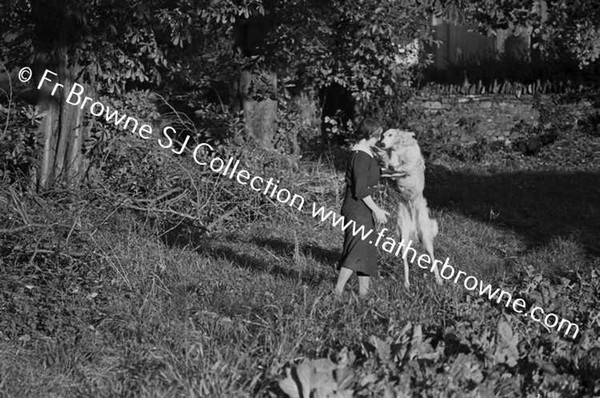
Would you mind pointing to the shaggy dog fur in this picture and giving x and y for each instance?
(402, 156)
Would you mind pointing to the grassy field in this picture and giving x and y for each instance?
(110, 307)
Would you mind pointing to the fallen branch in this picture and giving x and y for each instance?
(221, 218)
(148, 205)
(59, 253)
(164, 195)
(167, 211)
(28, 226)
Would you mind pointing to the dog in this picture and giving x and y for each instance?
(400, 153)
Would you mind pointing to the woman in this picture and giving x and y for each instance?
(362, 176)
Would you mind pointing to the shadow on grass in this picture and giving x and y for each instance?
(235, 250)
(325, 256)
(539, 206)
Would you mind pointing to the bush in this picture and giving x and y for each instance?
(439, 138)
(18, 144)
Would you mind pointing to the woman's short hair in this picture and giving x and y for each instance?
(369, 128)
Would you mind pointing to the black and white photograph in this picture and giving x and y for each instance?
(300, 198)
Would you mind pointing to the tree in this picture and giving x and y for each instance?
(346, 51)
(111, 46)
(105, 44)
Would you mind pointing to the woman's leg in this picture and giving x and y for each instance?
(343, 277)
(363, 285)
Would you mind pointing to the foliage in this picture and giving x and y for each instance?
(474, 355)
(499, 72)
(172, 188)
(469, 134)
(309, 41)
(124, 45)
(101, 301)
(120, 43)
(298, 124)
(185, 47)
(18, 144)
(557, 117)
(321, 377)
(569, 27)
(352, 44)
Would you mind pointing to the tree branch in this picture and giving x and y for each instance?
(28, 226)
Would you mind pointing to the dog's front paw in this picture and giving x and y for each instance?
(406, 284)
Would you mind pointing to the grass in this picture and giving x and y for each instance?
(144, 314)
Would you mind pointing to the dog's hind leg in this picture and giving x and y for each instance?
(428, 230)
(428, 243)
(404, 231)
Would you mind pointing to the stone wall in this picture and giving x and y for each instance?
(491, 115)
(469, 126)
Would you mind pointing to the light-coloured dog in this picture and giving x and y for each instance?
(402, 156)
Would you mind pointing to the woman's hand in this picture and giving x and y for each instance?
(380, 215)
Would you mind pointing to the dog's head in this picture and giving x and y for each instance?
(394, 137)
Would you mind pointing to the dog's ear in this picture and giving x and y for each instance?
(397, 137)
(408, 138)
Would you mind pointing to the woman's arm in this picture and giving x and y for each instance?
(379, 213)
(361, 190)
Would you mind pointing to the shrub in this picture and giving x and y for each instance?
(18, 143)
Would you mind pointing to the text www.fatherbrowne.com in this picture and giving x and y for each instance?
(230, 169)
(549, 321)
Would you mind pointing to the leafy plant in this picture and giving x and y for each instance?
(19, 144)
(318, 378)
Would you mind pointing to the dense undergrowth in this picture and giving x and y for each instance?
(160, 278)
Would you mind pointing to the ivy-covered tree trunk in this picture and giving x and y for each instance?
(61, 130)
(62, 136)
(257, 92)
(49, 125)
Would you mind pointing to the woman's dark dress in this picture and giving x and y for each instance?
(362, 176)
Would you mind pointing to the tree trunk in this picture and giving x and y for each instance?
(257, 90)
(67, 162)
(62, 132)
(74, 156)
(307, 107)
(48, 128)
(257, 93)
(61, 128)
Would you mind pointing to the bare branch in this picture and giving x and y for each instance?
(28, 226)
(167, 211)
